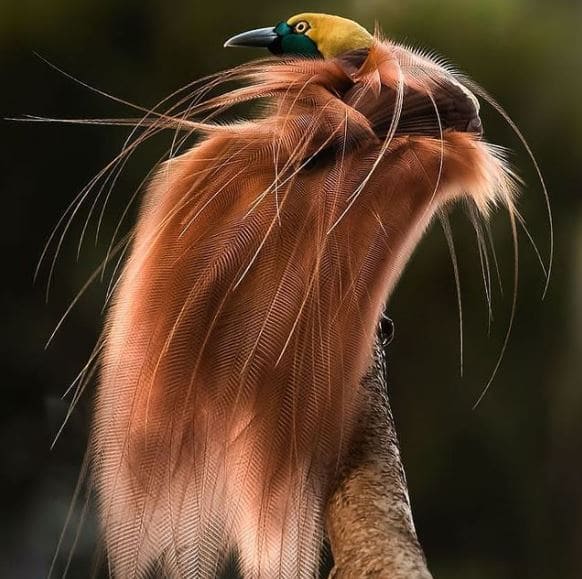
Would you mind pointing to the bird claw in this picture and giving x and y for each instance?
(386, 329)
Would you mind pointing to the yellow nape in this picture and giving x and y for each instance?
(333, 35)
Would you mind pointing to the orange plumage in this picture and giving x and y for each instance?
(246, 313)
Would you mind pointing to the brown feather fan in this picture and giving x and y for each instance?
(245, 317)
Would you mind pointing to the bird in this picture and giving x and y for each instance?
(240, 408)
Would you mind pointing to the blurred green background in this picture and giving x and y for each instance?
(496, 492)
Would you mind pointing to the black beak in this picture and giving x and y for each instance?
(262, 37)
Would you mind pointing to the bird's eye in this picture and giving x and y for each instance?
(301, 27)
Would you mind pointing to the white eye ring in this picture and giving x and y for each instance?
(301, 27)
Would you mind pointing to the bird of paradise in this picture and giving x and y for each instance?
(241, 405)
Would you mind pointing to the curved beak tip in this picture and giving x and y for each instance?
(260, 37)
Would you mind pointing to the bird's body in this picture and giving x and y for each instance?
(246, 315)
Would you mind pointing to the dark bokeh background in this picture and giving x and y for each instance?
(496, 491)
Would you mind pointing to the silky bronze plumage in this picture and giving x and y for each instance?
(241, 405)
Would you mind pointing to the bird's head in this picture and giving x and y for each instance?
(308, 34)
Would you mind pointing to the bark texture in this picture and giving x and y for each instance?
(369, 518)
